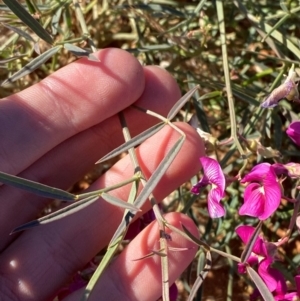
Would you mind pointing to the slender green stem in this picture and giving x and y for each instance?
(220, 13)
(224, 254)
(82, 22)
(230, 276)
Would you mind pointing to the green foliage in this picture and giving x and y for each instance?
(236, 51)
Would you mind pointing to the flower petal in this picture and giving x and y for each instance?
(245, 232)
(202, 183)
(272, 198)
(215, 209)
(254, 201)
(268, 274)
(293, 132)
(213, 172)
(257, 173)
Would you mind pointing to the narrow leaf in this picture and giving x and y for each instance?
(277, 25)
(10, 59)
(283, 39)
(133, 142)
(159, 253)
(178, 105)
(149, 48)
(154, 7)
(249, 247)
(150, 185)
(112, 248)
(261, 286)
(159, 172)
(201, 277)
(55, 21)
(73, 208)
(36, 188)
(117, 202)
(33, 64)
(20, 32)
(191, 237)
(25, 17)
(80, 52)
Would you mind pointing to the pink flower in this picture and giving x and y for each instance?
(263, 255)
(261, 198)
(293, 132)
(214, 176)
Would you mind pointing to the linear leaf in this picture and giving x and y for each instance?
(20, 32)
(33, 64)
(201, 276)
(36, 188)
(111, 249)
(150, 185)
(80, 52)
(261, 286)
(148, 48)
(178, 105)
(133, 142)
(154, 7)
(249, 247)
(10, 59)
(191, 237)
(159, 172)
(55, 21)
(277, 25)
(25, 17)
(117, 202)
(75, 207)
(275, 34)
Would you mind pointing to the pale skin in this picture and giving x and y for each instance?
(53, 133)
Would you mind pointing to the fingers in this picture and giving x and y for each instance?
(63, 247)
(69, 101)
(128, 279)
(73, 158)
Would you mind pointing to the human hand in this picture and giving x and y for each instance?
(53, 133)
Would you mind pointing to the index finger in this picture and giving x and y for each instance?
(69, 101)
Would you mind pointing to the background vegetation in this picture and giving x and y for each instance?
(185, 37)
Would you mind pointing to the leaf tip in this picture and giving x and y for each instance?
(26, 226)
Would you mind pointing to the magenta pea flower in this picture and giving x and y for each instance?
(262, 196)
(293, 132)
(213, 175)
(263, 255)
